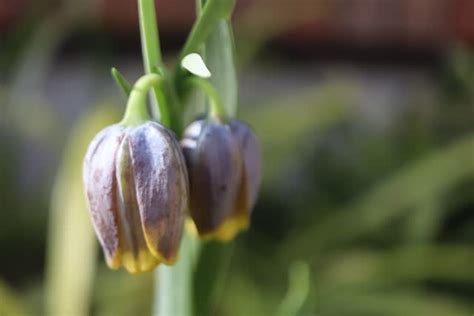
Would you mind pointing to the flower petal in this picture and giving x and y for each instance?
(214, 167)
(136, 256)
(251, 154)
(161, 187)
(101, 190)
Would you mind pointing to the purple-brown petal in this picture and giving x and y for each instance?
(135, 254)
(214, 167)
(101, 188)
(161, 188)
(251, 154)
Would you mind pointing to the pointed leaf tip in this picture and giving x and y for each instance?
(121, 82)
(195, 65)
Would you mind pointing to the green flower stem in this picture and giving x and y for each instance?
(137, 112)
(217, 109)
(199, 5)
(152, 56)
(149, 32)
(175, 113)
(213, 11)
(174, 284)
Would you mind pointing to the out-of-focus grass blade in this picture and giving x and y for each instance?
(210, 276)
(389, 268)
(345, 277)
(298, 289)
(425, 222)
(404, 302)
(313, 113)
(412, 186)
(71, 253)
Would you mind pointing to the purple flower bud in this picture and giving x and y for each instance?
(136, 187)
(223, 162)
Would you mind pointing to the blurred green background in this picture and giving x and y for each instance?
(365, 111)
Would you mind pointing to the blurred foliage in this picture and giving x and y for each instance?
(11, 304)
(382, 220)
(298, 288)
(71, 241)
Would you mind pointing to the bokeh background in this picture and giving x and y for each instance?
(365, 111)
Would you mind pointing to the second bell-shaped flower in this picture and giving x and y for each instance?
(223, 162)
(137, 190)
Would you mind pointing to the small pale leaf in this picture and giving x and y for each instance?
(195, 65)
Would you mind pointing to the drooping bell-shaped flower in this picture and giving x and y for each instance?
(223, 161)
(137, 190)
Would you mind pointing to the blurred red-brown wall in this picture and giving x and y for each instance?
(375, 22)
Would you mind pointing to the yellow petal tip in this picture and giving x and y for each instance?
(229, 229)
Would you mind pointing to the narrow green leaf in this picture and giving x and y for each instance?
(212, 13)
(221, 62)
(120, 80)
(210, 276)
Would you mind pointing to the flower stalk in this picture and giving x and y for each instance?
(137, 111)
(134, 172)
(152, 57)
(173, 284)
(216, 106)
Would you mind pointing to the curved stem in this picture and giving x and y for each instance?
(217, 109)
(152, 56)
(137, 111)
